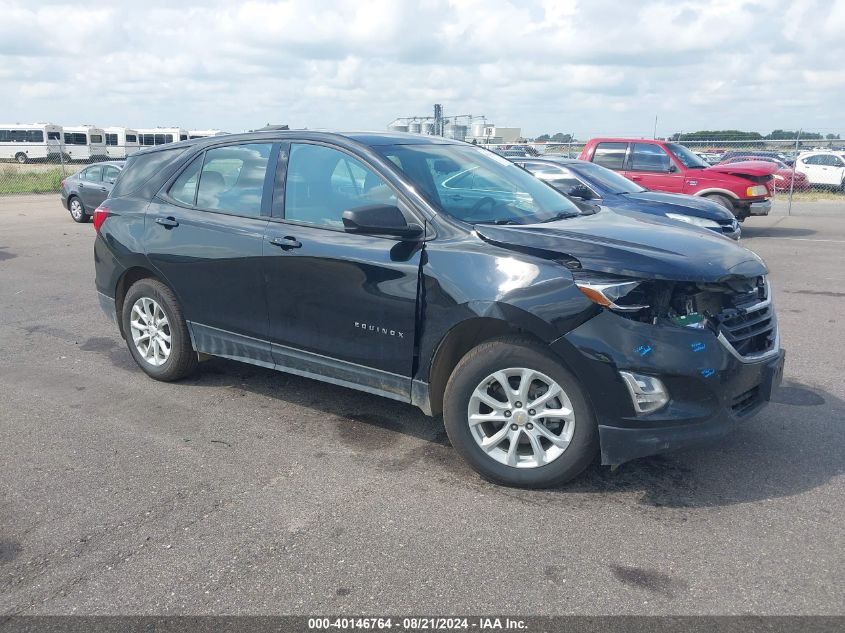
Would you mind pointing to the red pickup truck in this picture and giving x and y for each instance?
(743, 188)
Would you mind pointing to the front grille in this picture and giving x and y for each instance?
(750, 327)
(746, 401)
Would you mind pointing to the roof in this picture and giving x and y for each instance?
(371, 139)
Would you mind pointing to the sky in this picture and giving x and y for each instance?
(586, 67)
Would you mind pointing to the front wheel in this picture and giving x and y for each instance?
(724, 201)
(21, 158)
(156, 332)
(518, 417)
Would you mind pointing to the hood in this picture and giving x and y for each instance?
(641, 246)
(745, 168)
(680, 203)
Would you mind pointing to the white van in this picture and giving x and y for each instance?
(85, 142)
(161, 135)
(204, 133)
(121, 141)
(36, 141)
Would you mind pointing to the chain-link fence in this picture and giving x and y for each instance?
(810, 168)
(40, 168)
(805, 168)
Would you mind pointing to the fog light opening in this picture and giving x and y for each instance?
(648, 394)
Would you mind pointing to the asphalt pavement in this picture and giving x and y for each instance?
(242, 490)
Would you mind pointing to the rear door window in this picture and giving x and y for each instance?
(94, 174)
(648, 157)
(232, 178)
(610, 155)
(110, 173)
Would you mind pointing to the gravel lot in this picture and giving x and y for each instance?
(243, 490)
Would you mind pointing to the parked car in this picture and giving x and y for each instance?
(85, 190)
(781, 156)
(823, 168)
(543, 336)
(593, 183)
(663, 166)
(786, 178)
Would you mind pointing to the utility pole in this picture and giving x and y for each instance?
(654, 136)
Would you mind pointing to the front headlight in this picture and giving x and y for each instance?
(759, 190)
(691, 219)
(777, 177)
(607, 291)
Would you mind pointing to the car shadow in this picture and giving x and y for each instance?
(775, 231)
(792, 446)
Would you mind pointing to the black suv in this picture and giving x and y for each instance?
(440, 274)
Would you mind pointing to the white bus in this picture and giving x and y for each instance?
(204, 133)
(161, 135)
(85, 142)
(23, 143)
(121, 141)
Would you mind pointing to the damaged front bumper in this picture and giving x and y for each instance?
(711, 388)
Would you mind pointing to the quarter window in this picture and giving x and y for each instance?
(323, 182)
(647, 157)
(610, 155)
(232, 178)
(185, 188)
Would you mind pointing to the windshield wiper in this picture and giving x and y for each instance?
(505, 221)
(563, 215)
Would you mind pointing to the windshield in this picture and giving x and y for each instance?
(605, 178)
(688, 159)
(477, 186)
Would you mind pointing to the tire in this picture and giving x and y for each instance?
(724, 201)
(181, 360)
(77, 210)
(21, 158)
(460, 402)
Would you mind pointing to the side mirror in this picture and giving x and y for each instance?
(672, 168)
(580, 191)
(379, 219)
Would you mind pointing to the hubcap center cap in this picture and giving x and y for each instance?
(520, 417)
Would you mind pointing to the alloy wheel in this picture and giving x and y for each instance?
(150, 331)
(521, 418)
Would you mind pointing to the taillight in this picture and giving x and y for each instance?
(100, 215)
(63, 183)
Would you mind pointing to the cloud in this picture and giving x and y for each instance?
(582, 66)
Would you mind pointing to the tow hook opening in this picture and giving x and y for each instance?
(648, 394)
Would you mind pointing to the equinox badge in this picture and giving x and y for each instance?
(376, 329)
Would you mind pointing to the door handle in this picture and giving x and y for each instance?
(167, 223)
(103, 189)
(636, 177)
(286, 243)
(81, 186)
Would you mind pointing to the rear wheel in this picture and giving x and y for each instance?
(156, 332)
(21, 158)
(77, 211)
(518, 417)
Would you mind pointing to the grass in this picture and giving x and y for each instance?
(43, 181)
(813, 195)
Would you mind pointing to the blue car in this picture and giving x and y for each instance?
(590, 182)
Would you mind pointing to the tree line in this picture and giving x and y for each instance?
(738, 135)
